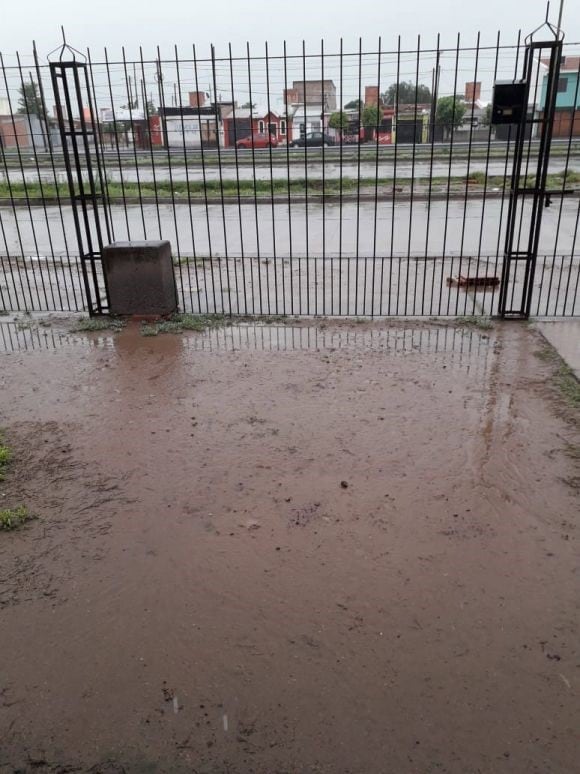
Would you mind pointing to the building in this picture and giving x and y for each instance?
(193, 125)
(22, 131)
(312, 93)
(238, 123)
(310, 103)
(567, 118)
(475, 107)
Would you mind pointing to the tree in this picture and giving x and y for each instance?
(354, 104)
(450, 112)
(371, 116)
(408, 93)
(486, 117)
(249, 105)
(30, 100)
(150, 110)
(338, 120)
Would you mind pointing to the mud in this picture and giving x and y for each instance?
(200, 591)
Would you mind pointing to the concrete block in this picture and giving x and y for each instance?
(140, 278)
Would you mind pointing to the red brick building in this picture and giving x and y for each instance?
(240, 122)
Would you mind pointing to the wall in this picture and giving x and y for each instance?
(564, 99)
(22, 131)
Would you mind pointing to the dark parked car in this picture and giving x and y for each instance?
(260, 141)
(314, 139)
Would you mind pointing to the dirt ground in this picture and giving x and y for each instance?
(289, 549)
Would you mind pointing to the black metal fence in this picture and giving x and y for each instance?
(312, 182)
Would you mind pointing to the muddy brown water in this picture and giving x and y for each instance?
(199, 593)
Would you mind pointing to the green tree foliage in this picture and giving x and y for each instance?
(486, 118)
(30, 100)
(338, 120)
(450, 112)
(408, 93)
(354, 104)
(371, 116)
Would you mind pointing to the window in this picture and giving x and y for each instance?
(315, 126)
(562, 85)
(261, 127)
(282, 127)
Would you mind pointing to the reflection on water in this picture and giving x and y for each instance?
(395, 339)
(22, 337)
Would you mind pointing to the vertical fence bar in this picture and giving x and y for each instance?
(410, 236)
(273, 206)
(252, 143)
(204, 177)
(323, 102)
(379, 116)
(188, 187)
(340, 186)
(289, 181)
(392, 251)
(240, 220)
(306, 178)
(432, 131)
(361, 130)
(217, 109)
(162, 106)
(117, 148)
(130, 109)
(462, 244)
(485, 185)
(450, 163)
(561, 207)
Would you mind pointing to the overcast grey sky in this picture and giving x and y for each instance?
(113, 23)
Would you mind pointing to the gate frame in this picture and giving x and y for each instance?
(87, 205)
(541, 197)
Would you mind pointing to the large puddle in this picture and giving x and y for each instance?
(289, 548)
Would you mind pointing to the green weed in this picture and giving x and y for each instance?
(481, 323)
(5, 457)
(89, 324)
(566, 381)
(564, 378)
(184, 322)
(12, 518)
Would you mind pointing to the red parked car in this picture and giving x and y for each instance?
(260, 140)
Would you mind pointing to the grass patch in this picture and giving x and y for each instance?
(12, 518)
(215, 189)
(185, 322)
(89, 324)
(569, 386)
(563, 377)
(572, 451)
(5, 457)
(481, 323)
(267, 319)
(203, 322)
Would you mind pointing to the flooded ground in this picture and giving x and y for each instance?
(290, 548)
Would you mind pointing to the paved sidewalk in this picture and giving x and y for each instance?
(564, 335)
